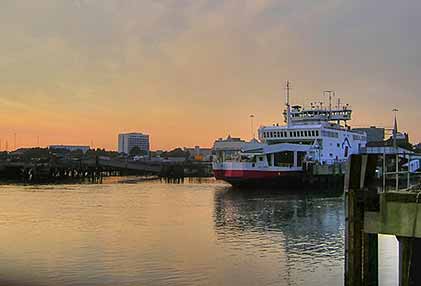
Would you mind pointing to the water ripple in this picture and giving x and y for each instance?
(151, 233)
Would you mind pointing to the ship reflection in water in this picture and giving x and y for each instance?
(301, 236)
(152, 233)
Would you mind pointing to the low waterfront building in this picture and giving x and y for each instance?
(380, 149)
(224, 149)
(200, 154)
(402, 139)
(374, 134)
(127, 141)
(70, 148)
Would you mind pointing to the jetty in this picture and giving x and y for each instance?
(382, 196)
(94, 169)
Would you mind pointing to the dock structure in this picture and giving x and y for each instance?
(371, 210)
(97, 168)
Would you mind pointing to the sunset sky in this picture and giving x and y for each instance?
(190, 71)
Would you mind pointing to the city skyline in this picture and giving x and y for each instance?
(189, 72)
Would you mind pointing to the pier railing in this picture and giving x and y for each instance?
(371, 209)
(400, 172)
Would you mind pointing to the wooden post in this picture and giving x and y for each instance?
(371, 260)
(353, 221)
(409, 261)
(361, 250)
(404, 260)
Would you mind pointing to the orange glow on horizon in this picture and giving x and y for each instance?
(190, 73)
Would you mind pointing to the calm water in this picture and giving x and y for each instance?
(153, 233)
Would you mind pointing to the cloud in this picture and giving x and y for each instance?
(200, 67)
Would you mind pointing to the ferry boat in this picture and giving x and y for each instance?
(311, 148)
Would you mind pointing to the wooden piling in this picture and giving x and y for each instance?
(361, 250)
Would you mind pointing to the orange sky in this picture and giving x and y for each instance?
(188, 72)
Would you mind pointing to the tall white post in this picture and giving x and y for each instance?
(395, 146)
(287, 104)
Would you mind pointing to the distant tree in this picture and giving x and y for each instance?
(35, 154)
(92, 153)
(4, 155)
(176, 153)
(136, 151)
(76, 154)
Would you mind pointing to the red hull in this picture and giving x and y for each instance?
(278, 180)
(250, 174)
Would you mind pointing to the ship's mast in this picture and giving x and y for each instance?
(330, 92)
(287, 104)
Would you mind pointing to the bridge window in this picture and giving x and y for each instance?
(284, 159)
(300, 158)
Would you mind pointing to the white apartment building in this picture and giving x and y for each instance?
(127, 141)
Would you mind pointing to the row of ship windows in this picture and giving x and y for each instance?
(285, 134)
(359, 137)
(332, 134)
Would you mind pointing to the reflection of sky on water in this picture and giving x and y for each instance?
(197, 233)
(305, 230)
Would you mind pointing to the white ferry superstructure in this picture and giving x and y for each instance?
(317, 137)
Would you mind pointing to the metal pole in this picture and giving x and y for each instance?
(384, 170)
(330, 92)
(397, 172)
(408, 179)
(395, 145)
(287, 104)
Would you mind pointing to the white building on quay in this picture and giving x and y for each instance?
(127, 141)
